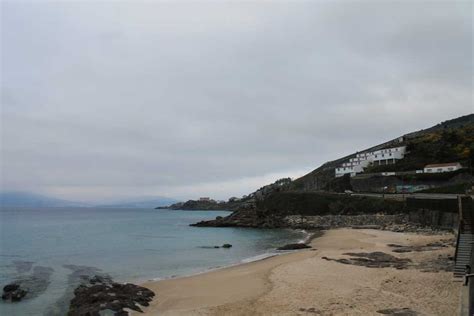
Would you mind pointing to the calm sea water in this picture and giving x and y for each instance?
(57, 246)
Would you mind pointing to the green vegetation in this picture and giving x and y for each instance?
(450, 141)
(442, 145)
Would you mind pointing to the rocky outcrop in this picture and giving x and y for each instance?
(101, 294)
(428, 247)
(314, 210)
(306, 210)
(234, 203)
(294, 246)
(198, 205)
(404, 311)
(244, 217)
(13, 292)
(375, 259)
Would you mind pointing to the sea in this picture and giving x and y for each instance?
(52, 250)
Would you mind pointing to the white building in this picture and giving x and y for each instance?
(442, 167)
(363, 160)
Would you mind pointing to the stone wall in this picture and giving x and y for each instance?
(423, 218)
(433, 218)
(334, 221)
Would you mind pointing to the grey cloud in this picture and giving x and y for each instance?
(187, 98)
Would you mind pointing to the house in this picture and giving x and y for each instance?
(206, 199)
(442, 167)
(362, 160)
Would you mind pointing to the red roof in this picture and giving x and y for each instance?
(448, 164)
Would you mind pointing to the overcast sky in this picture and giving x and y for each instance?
(106, 100)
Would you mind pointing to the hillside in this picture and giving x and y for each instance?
(25, 199)
(449, 141)
(315, 193)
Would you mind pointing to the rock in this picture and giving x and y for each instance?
(375, 259)
(100, 279)
(294, 246)
(226, 246)
(398, 312)
(103, 294)
(366, 227)
(18, 295)
(428, 247)
(13, 292)
(11, 287)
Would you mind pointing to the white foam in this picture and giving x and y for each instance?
(259, 257)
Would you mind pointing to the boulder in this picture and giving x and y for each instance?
(102, 294)
(294, 246)
(13, 292)
(11, 287)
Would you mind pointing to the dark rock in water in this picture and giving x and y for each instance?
(18, 295)
(13, 292)
(28, 286)
(79, 275)
(100, 279)
(294, 247)
(398, 312)
(102, 294)
(226, 246)
(11, 287)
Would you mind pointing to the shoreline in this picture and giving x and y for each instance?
(271, 285)
(310, 235)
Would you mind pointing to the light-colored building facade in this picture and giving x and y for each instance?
(362, 160)
(442, 167)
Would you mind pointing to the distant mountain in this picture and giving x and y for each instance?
(25, 199)
(141, 203)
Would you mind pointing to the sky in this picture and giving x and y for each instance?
(107, 100)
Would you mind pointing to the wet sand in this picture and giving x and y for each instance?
(303, 283)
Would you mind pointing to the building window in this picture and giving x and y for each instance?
(439, 169)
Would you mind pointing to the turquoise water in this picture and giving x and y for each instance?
(59, 245)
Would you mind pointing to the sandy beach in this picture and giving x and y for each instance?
(305, 283)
